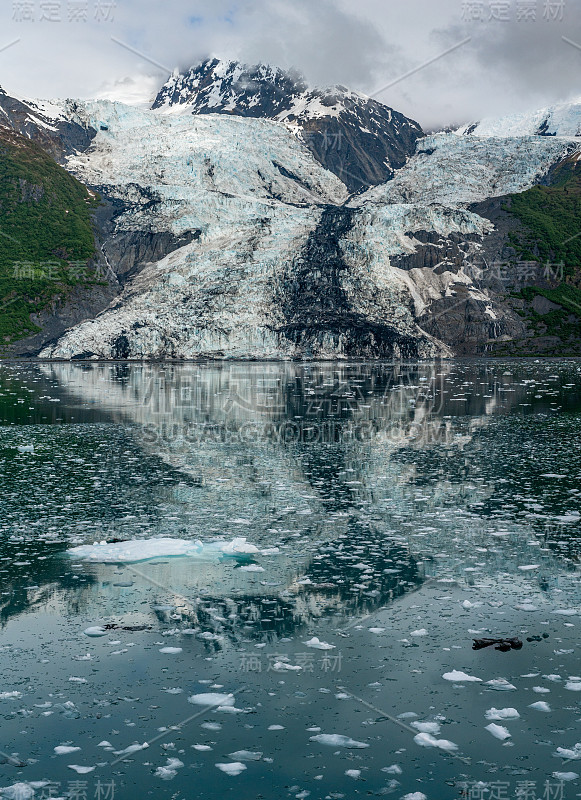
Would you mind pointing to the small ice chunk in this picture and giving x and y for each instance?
(573, 686)
(251, 568)
(338, 740)
(502, 713)
(211, 699)
(457, 677)
(233, 768)
(353, 773)
(95, 630)
(394, 769)
(427, 727)
(420, 632)
(171, 650)
(498, 731)
(317, 644)
(245, 755)
(541, 689)
(275, 728)
(18, 791)
(527, 567)
(500, 685)
(202, 748)
(376, 630)
(170, 770)
(10, 695)
(574, 754)
(80, 770)
(565, 776)
(415, 796)
(64, 750)
(540, 705)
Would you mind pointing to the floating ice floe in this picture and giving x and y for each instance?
(95, 631)
(317, 644)
(10, 695)
(498, 731)
(459, 677)
(244, 755)
(133, 748)
(353, 773)
(500, 685)
(427, 727)
(573, 754)
(573, 684)
(64, 750)
(80, 770)
(420, 632)
(171, 650)
(566, 776)
(427, 740)
(145, 549)
(18, 791)
(170, 770)
(394, 769)
(415, 796)
(211, 699)
(235, 768)
(540, 705)
(502, 713)
(338, 740)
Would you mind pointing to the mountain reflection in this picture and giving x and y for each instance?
(337, 465)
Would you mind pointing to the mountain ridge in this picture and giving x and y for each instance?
(358, 138)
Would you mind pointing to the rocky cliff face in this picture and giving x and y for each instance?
(357, 138)
(56, 127)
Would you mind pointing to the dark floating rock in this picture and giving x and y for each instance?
(110, 626)
(537, 638)
(504, 644)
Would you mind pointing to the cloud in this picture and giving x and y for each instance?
(507, 65)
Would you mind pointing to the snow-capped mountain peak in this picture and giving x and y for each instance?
(359, 139)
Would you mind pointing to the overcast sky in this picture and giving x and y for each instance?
(513, 61)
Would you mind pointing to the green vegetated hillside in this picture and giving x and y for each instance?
(46, 234)
(551, 217)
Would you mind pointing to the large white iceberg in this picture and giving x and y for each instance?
(145, 549)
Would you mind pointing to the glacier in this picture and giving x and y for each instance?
(280, 260)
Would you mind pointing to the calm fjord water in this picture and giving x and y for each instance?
(398, 512)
